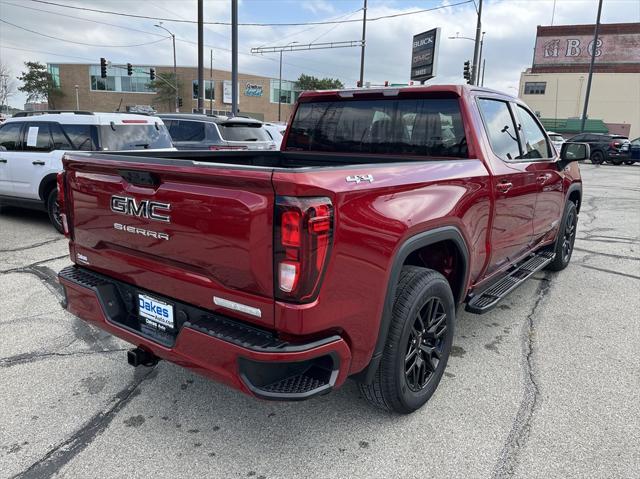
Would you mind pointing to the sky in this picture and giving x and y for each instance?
(510, 27)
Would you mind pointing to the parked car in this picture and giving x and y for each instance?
(202, 132)
(556, 139)
(276, 132)
(32, 145)
(634, 152)
(605, 147)
(345, 254)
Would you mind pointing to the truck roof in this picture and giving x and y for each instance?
(408, 91)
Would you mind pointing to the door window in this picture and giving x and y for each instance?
(82, 137)
(187, 130)
(534, 140)
(500, 128)
(60, 140)
(10, 136)
(37, 138)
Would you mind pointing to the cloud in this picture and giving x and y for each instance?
(319, 6)
(508, 48)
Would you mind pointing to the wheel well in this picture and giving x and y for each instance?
(445, 258)
(46, 185)
(575, 197)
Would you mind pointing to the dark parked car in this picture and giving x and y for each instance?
(605, 147)
(634, 152)
(202, 132)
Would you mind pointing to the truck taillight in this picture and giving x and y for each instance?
(303, 236)
(62, 202)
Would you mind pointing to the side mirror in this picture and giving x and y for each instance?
(571, 152)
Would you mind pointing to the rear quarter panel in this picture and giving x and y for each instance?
(372, 220)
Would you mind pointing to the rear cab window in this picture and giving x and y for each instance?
(421, 127)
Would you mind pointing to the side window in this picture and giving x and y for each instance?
(81, 136)
(60, 140)
(534, 139)
(37, 138)
(10, 136)
(188, 131)
(500, 129)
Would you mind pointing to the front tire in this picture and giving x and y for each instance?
(629, 162)
(53, 209)
(418, 343)
(566, 237)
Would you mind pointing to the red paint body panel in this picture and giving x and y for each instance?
(222, 220)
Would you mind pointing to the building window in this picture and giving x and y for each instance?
(289, 93)
(54, 71)
(118, 80)
(209, 89)
(535, 88)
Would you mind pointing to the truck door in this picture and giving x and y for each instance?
(10, 141)
(514, 185)
(550, 195)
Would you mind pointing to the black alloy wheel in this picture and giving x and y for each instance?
(597, 158)
(569, 236)
(426, 344)
(53, 209)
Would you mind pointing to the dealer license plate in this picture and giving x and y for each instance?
(154, 312)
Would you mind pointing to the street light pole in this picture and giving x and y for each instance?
(77, 98)
(280, 84)
(480, 62)
(175, 73)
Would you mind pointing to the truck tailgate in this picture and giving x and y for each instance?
(201, 234)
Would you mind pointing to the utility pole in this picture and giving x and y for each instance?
(484, 60)
(234, 57)
(594, 48)
(211, 82)
(476, 50)
(200, 56)
(364, 34)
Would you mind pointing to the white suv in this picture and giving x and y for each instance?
(32, 145)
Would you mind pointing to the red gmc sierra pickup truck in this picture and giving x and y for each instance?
(345, 254)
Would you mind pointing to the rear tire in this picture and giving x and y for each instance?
(616, 162)
(53, 210)
(629, 162)
(566, 237)
(418, 343)
(597, 158)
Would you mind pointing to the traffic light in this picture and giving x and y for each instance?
(359, 84)
(103, 68)
(179, 102)
(152, 73)
(386, 83)
(467, 71)
(129, 69)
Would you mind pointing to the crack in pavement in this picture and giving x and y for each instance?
(521, 428)
(610, 255)
(604, 270)
(19, 269)
(25, 358)
(63, 453)
(37, 245)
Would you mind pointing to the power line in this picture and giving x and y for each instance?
(47, 53)
(65, 15)
(81, 43)
(288, 24)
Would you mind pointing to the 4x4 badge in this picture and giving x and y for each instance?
(359, 178)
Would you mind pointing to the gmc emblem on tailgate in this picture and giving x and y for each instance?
(143, 209)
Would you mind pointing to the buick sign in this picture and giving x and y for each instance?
(424, 55)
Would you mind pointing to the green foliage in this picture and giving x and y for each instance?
(308, 82)
(165, 91)
(38, 84)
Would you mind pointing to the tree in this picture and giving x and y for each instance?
(308, 82)
(165, 91)
(39, 85)
(7, 87)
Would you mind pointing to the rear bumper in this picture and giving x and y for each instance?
(252, 360)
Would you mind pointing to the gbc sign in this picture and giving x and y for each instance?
(142, 209)
(424, 55)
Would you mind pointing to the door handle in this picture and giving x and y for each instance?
(542, 178)
(504, 186)
(2, 160)
(38, 162)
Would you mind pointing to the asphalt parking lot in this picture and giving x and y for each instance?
(546, 385)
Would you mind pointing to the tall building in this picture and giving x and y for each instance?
(83, 88)
(555, 85)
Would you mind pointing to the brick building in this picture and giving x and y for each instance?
(555, 85)
(258, 95)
